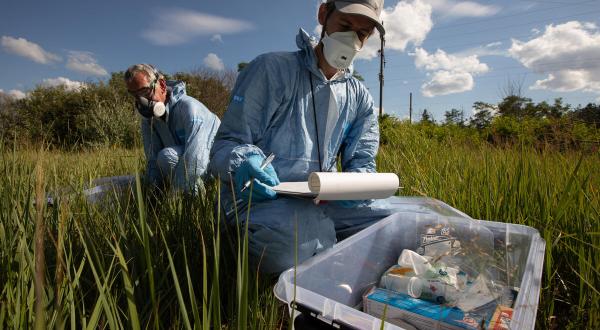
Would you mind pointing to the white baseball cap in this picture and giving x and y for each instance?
(369, 8)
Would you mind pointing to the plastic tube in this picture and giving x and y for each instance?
(410, 285)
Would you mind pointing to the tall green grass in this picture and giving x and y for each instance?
(167, 261)
(149, 261)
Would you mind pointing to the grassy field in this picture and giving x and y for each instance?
(163, 261)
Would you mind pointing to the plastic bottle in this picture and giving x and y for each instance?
(410, 285)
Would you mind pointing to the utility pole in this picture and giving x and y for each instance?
(381, 66)
(410, 110)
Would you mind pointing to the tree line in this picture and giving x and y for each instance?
(97, 114)
(101, 114)
(517, 119)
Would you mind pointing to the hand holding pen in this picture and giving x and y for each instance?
(264, 165)
(255, 167)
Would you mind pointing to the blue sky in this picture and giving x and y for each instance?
(448, 53)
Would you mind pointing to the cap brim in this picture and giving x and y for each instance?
(358, 9)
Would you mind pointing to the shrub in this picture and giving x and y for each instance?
(211, 88)
(99, 114)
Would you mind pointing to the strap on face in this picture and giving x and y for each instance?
(156, 75)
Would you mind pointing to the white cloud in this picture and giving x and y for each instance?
(407, 22)
(463, 8)
(84, 62)
(217, 38)
(17, 94)
(14, 94)
(447, 82)
(566, 53)
(494, 44)
(28, 49)
(443, 61)
(69, 85)
(213, 62)
(487, 50)
(472, 9)
(451, 73)
(178, 26)
(493, 109)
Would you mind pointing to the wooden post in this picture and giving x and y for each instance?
(410, 110)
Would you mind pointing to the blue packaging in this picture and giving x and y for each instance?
(422, 314)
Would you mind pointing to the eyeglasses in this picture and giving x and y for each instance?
(144, 91)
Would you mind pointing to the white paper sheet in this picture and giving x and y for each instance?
(352, 186)
(299, 189)
(342, 186)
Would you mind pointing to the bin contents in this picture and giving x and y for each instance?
(445, 284)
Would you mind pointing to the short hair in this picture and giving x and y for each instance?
(150, 71)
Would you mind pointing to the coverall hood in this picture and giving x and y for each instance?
(176, 90)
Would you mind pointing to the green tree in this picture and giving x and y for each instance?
(590, 114)
(9, 123)
(513, 103)
(426, 117)
(117, 83)
(454, 117)
(483, 115)
(557, 110)
(211, 88)
(515, 106)
(540, 110)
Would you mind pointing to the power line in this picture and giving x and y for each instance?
(487, 20)
(501, 68)
(543, 65)
(560, 3)
(460, 45)
(511, 26)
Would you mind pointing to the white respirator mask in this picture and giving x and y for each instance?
(340, 48)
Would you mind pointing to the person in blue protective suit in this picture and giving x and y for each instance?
(177, 130)
(306, 108)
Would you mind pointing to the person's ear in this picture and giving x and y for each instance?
(322, 16)
(163, 84)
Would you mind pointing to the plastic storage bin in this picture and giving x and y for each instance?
(110, 189)
(330, 286)
(102, 192)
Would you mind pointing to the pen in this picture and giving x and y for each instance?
(264, 165)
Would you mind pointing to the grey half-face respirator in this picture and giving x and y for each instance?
(149, 108)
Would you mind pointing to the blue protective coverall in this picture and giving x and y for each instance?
(271, 111)
(177, 147)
